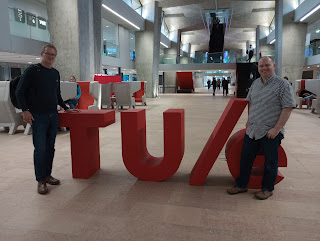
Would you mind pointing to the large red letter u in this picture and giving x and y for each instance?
(135, 155)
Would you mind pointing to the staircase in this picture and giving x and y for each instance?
(243, 75)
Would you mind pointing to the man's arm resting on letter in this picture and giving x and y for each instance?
(284, 116)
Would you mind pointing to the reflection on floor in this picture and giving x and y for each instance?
(114, 205)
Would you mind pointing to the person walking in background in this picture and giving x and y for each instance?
(218, 83)
(209, 84)
(73, 102)
(225, 86)
(271, 102)
(41, 112)
(214, 85)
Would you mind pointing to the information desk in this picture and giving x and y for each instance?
(84, 138)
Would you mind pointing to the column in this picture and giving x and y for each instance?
(293, 44)
(278, 34)
(148, 49)
(174, 52)
(75, 30)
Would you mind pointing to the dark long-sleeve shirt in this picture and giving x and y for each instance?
(41, 87)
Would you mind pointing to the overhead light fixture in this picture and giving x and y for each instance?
(272, 41)
(318, 31)
(29, 62)
(164, 45)
(107, 26)
(311, 12)
(318, 66)
(123, 18)
(37, 58)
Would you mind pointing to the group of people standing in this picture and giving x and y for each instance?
(217, 83)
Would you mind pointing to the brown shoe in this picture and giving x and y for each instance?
(42, 187)
(263, 195)
(235, 190)
(51, 180)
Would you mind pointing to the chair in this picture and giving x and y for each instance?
(107, 90)
(95, 92)
(9, 118)
(124, 92)
(140, 95)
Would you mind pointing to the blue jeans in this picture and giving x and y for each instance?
(72, 103)
(249, 151)
(307, 99)
(44, 131)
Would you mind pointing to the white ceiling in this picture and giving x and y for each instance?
(6, 57)
(189, 15)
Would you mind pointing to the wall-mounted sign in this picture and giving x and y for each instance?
(19, 15)
(42, 23)
(31, 19)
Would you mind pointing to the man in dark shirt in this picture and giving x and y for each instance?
(225, 86)
(41, 84)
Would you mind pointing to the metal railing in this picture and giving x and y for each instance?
(312, 49)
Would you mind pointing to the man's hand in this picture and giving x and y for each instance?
(72, 110)
(27, 117)
(272, 133)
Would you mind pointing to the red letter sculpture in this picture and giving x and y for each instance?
(233, 155)
(135, 155)
(84, 138)
(218, 138)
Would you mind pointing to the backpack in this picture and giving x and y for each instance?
(13, 86)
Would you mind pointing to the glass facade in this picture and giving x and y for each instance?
(110, 39)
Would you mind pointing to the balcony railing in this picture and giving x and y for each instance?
(201, 58)
(312, 49)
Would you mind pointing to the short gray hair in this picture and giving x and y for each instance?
(48, 46)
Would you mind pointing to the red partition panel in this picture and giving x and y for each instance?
(85, 99)
(185, 80)
(233, 155)
(84, 138)
(138, 95)
(218, 138)
(105, 79)
(135, 155)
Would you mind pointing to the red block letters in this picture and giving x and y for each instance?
(135, 155)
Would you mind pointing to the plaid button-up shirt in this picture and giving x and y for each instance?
(266, 103)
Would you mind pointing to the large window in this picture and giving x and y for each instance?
(132, 43)
(164, 27)
(110, 39)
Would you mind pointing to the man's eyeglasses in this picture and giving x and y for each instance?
(51, 55)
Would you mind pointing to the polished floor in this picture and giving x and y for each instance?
(114, 205)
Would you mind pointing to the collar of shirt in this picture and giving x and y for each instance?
(268, 80)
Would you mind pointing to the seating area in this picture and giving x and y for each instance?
(312, 85)
(11, 117)
(121, 94)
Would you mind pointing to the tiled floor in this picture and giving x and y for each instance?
(114, 205)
